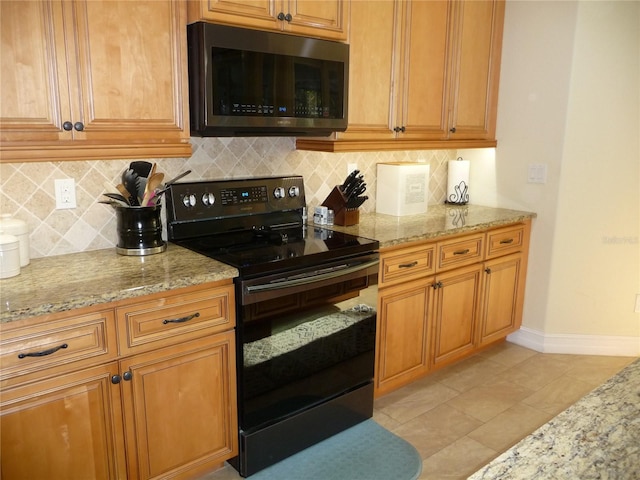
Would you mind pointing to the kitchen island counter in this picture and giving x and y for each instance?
(597, 437)
(438, 221)
(66, 282)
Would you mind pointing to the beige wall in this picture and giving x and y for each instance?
(570, 98)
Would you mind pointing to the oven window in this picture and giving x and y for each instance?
(302, 349)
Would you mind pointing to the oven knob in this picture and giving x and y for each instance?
(278, 192)
(208, 199)
(294, 191)
(189, 200)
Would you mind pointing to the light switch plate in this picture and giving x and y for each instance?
(537, 173)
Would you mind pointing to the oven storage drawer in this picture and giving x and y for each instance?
(168, 319)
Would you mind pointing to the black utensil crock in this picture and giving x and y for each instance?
(139, 230)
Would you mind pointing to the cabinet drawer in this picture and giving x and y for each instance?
(168, 319)
(406, 264)
(460, 251)
(72, 342)
(505, 240)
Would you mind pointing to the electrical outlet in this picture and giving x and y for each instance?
(638, 303)
(351, 167)
(65, 189)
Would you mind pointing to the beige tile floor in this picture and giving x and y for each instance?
(461, 417)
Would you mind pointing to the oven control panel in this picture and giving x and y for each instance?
(204, 200)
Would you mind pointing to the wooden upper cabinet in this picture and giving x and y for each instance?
(315, 18)
(93, 79)
(476, 69)
(33, 72)
(423, 74)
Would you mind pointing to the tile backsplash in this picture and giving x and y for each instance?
(27, 189)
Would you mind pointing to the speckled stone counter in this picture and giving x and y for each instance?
(596, 438)
(439, 220)
(64, 282)
(61, 283)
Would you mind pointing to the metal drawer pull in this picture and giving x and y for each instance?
(508, 240)
(43, 353)
(181, 320)
(461, 252)
(408, 265)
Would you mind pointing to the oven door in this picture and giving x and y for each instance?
(304, 338)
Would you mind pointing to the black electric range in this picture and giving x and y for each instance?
(254, 224)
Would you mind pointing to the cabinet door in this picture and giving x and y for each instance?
(33, 70)
(66, 427)
(403, 334)
(372, 63)
(503, 298)
(317, 18)
(104, 80)
(180, 408)
(131, 59)
(457, 296)
(476, 68)
(424, 77)
(259, 14)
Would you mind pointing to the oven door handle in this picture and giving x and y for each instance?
(310, 279)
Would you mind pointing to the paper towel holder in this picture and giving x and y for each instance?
(460, 195)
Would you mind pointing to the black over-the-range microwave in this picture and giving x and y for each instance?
(250, 83)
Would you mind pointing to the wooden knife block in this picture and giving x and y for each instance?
(343, 216)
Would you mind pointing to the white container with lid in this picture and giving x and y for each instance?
(402, 188)
(9, 256)
(17, 228)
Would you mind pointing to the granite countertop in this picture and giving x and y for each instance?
(597, 437)
(440, 220)
(64, 282)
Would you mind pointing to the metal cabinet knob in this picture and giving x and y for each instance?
(67, 126)
(79, 126)
(452, 129)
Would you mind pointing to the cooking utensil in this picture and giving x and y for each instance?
(130, 182)
(117, 197)
(114, 203)
(109, 188)
(123, 191)
(166, 185)
(153, 182)
(141, 167)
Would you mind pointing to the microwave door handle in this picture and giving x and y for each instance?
(310, 279)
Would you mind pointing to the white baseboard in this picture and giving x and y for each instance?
(576, 344)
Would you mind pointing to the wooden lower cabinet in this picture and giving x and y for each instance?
(180, 408)
(455, 313)
(441, 301)
(69, 426)
(403, 335)
(80, 411)
(502, 297)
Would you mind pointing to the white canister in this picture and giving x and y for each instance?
(9, 255)
(17, 228)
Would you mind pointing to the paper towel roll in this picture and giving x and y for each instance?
(458, 182)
